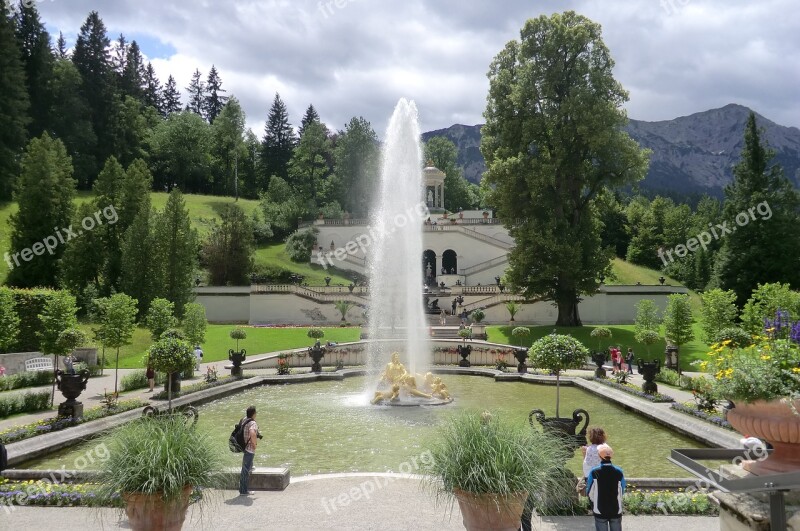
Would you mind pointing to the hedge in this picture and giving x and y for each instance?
(138, 380)
(27, 403)
(26, 379)
(29, 303)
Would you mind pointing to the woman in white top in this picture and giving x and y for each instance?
(591, 458)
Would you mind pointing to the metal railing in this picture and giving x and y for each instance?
(477, 268)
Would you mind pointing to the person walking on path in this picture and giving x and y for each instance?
(605, 487)
(151, 378)
(198, 354)
(251, 437)
(629, 360)
(442, 317)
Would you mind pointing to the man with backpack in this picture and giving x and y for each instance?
(248, 438)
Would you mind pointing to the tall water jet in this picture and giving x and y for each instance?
(395, 256)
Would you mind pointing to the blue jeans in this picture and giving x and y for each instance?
(606, 524)
(247, 464)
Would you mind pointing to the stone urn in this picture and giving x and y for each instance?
(522, 356)
(464, 351)
(671, 357)
(773, 421)
(316, 352)
(599, 358)
(648, 370)
(71, 386)
(563, 427)
(236, 358)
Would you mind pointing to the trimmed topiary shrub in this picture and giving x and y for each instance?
(300, 244)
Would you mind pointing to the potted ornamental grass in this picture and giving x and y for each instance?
(763, 382)
(491, 466)
(154, 464)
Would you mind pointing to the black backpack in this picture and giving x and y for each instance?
(236, 441)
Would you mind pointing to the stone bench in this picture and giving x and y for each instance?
(39, 364)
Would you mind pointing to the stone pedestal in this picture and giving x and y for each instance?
(70, 408)
(751, 512)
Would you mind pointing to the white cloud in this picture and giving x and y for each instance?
(360, 58)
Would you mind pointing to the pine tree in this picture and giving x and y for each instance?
(108, 189)
(277, 145)
(228, 250)
(142, 267)
(311, 115)
(214, 100)
(764, 209)
(177, 246)
(14, 104)
(82, 262)
(70, 120)
(357, 157)
(248, 166)
(172, 98)
(135, 193)
(37, 58)
(44, 194)
(196, 90)
(61, 47)
(119, 59)
(90, 56)
(152, 88)
(132, 81)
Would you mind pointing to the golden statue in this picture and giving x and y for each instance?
(394, 372)
(410, 387)
(392, 395)
(439, 389)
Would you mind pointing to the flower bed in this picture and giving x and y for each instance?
(20, 433)
(647, 502)
(634, 390)
(690, 409)
(197, 387)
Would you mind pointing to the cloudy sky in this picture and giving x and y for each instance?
(357, 57)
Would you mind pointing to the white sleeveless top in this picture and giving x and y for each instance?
(591, 460)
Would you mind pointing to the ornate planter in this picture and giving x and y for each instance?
(483, 512)
(773, 421)
(599, 358)
(71, 386)
(522, 356)
(648, 370)
(671, 357)
(236, 358)
(316, 352)
(564, 428)
(464, 351)
(148, 511)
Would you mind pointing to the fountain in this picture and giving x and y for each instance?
(397, 319)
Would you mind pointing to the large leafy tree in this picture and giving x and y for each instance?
(444, 155)
(14, 104)
(764, 209)
(37, 58)
(228, 251)
(357, 159)
(309, 166)
(194, 323)
(278, 143)
(142, 267)
(553, 140)
(178, 246)
(44, 194)
(180, 153)
(228, 146)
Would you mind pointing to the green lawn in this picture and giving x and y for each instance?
(275, 255)
(627, 274)
(621, 335)
(218, 342)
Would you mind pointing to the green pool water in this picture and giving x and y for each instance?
(330, 427)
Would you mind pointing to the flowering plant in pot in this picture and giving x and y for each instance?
(154, 463)
(763, 382)
(491, 466)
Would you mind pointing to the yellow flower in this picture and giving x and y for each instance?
(726, 342)
(796, 370)
(766, 358)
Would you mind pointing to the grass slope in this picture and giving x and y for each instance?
(621, 335)
(274, 255)
(218, 342)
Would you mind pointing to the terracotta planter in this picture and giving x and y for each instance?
(148, 512)
(773, 421)
(485, 512)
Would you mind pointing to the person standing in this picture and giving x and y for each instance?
(442, 317)
(605, 487)
(250, 440)
(591, 458)
(198, 354)
(151, 377)
(629, 360)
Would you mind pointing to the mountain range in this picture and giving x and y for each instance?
(692, 154)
